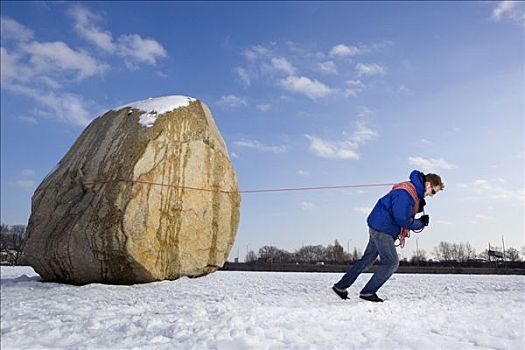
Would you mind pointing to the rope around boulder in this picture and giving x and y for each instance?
(218, 190)
(290, 189)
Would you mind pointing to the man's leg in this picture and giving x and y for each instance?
(351, 275)
(389, 262)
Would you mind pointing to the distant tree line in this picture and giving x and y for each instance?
(11, 241)
(462, 252)
(335, 254)
(309, 254)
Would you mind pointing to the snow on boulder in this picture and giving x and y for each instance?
(146, 193)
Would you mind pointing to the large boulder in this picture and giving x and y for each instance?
(146, 193)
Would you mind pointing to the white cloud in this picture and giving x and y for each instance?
(281, 64)
(132, 47)
(86, 26)
(331, 149)
(50, 82)
(12, 69)
(313, 89)
(38, 70)
(28, 173)
(26, 184)
(28, 120)
(426, 142)
(484, 189)
(231, 101)
(301, 172)
(328, 67)
(33, 63)
(502, 8)
(64, 107)
(431, 164)
(254, 144)
(353, 87)
(362, 133)
(370, 69)
(140, 49)
(256, 52)
(404, 90)
(364, 111)
(49, 57)
(265, 107)
(22, 78)
(261, 62)
(347, 148)
(343, 50)
(512, 10)
(244, 76)
(12, 30)
(363, 210)
(308, 206)
(268, 62)
(485, 217)
(234, 155)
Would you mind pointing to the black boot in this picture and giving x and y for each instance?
(342, 294)
(374, 298)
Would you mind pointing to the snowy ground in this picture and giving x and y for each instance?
(258, 310)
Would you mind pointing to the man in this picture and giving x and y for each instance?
(392, 218)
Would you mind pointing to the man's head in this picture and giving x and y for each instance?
(433, 184)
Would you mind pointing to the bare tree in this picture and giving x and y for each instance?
(512, 254)
(268, 253)
(484, 255)
(335, 253)
(283, 256)
(3, 240)
(251, 256)
(470, 252)
(444, 251)
(461, 252)
(310, 254)
(419, 256)
(12, 240)
(356, 255)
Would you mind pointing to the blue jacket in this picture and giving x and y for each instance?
(394, 210)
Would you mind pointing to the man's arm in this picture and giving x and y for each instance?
(402, 207)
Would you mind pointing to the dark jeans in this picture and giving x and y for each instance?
(380, 244)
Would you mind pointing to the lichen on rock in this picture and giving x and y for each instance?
(133, 203)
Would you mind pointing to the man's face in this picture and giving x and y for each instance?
(431, 190)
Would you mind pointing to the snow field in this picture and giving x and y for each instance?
(263, 310)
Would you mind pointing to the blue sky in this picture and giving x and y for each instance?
(304, 93)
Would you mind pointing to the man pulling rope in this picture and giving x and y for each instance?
(392, 218)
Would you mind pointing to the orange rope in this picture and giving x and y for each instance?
(250, 191)
(241, 191)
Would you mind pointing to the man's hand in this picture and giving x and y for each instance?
(425, 219)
